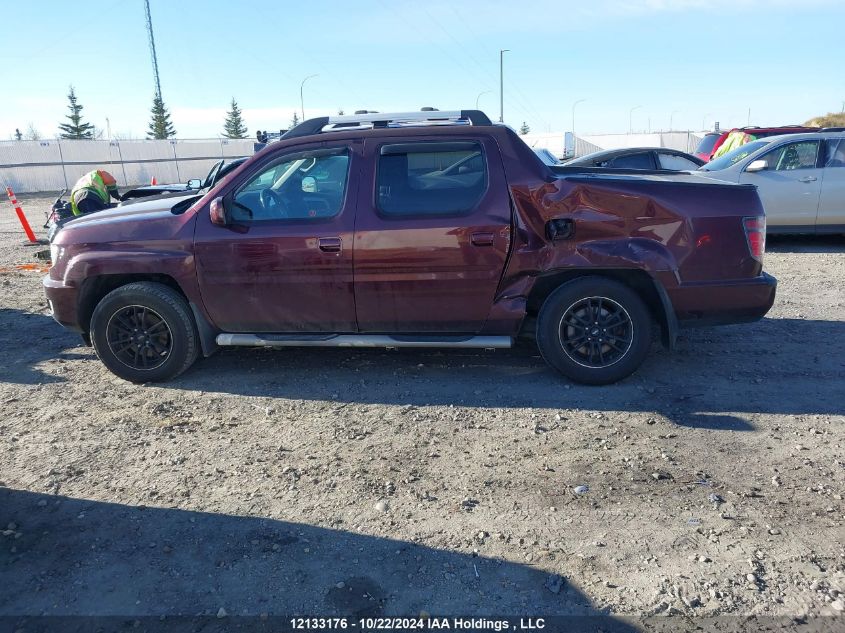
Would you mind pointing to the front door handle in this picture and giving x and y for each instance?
(482, 239)
(808, 179)
(330, 244)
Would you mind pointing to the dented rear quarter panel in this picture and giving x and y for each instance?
(679, 228)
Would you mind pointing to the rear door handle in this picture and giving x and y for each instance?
(482, 239)
(330, 244)
(808, 179)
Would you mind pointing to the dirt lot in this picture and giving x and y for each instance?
(331, 482)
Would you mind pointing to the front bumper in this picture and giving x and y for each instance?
(63, 302)
(721, 303)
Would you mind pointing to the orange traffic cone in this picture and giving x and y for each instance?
(153, 181)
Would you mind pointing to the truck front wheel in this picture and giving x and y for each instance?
(144, 332)
(594, 330)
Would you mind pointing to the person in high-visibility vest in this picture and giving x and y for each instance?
(93, 192)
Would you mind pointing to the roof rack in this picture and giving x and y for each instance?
(373, 120)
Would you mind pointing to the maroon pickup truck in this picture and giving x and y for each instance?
(433, 229)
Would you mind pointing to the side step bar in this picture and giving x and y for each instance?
(361, 340)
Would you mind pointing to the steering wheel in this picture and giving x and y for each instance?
(273, 202)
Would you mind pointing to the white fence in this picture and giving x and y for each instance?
(32, 166)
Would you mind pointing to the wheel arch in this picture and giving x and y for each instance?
(95, 288)
(646, 286)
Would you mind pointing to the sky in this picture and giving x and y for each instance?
(685, 62)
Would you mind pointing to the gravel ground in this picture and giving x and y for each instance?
(333, 481)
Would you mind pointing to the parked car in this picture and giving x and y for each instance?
(800, 179)
(359, 232)
(716, 144)
(650, 158)
(218, 171)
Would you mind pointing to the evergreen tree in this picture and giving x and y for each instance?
(76, 129)
(294, 121)
(524, 129)
(160, 125)
(18, 134)
(234, 126)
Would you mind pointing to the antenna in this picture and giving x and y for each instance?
(152, 48)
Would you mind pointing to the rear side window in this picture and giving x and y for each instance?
(675, 162)
(705, 146)
(633, 161)
(422, 179)
(798, 155)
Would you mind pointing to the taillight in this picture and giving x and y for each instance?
(755, 235)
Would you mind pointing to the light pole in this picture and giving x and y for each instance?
(631, 119)
(672, 119)
(573, 117)
(502, 84)
(481, 94)
(301, 98)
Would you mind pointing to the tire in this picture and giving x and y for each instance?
(144, 332)
(568, 345)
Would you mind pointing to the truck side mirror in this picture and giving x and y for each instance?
(194, 183)
(757, 165)
(217, 212)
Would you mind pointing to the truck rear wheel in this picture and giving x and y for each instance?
(144, 332)
(594, 330)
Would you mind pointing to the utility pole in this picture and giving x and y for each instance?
(502, 84)
(152, 48)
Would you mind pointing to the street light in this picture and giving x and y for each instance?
(573, 117)
(671, 119)
(502, 84)
(631, 119)
(301, 98)
(481, 94)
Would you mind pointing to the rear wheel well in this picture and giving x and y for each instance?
(638, 280)
(95, 288)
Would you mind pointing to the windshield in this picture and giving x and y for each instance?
(734, 156)
(212, 174)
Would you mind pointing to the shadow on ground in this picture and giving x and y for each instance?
(81, 557)
(716, 379)
(28, 338)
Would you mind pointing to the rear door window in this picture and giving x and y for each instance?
(430, 179)
(640, 160)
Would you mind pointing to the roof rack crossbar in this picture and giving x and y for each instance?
(319, 125)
